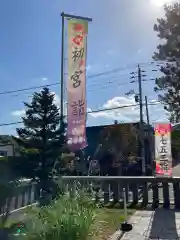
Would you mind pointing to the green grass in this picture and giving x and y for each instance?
(108, 221)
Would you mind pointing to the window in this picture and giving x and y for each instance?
(3, 153)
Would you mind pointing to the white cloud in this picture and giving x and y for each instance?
(57, 102)
(21, 113)
(18, 113)
(44, 79)
(56, 99)
(88, 68)
(128, 113)
(131, 113)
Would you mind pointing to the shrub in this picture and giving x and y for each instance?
(65, 219)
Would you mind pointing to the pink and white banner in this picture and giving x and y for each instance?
(163, 155)
(76, 87)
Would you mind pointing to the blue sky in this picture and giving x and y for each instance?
(120, 36)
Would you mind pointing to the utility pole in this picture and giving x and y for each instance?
(149, 129)
(138, 99)
(141, 121)
(147, 111)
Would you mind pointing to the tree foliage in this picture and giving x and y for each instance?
(168, 86)
(175, 143)
(121, 138)
(42, 138)
(118, 142)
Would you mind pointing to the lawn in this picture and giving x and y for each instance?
(108, 221)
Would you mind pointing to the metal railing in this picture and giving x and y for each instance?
(23, 195)
(144, 190)
(139, 190)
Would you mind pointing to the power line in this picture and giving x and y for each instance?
(120, 107)
(103, 87)
(109, 84)
(30, 88)
(100, 88)
(58, 83)
(90, 112)
(108, 81)
(11, 123)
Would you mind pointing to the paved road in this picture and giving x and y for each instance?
(176, 170)
(159, 224)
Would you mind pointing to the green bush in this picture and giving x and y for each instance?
(65, 219)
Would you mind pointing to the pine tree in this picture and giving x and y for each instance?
(42, 137)
(168, 86)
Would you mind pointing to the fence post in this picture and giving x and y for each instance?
(176, 194)
(155, 194)
(115, 190)
(106, 191)
(135, 193)
(72, 189)
(166, 195)
(145, 193)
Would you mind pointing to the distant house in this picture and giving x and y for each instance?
(8, 147)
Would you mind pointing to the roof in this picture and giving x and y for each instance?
(7, 140)
(101, 127)
(176, 127)
(113, 124)
(108, 125)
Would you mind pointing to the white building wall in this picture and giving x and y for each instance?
(6, 151)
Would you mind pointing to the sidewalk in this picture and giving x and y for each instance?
(159, 224)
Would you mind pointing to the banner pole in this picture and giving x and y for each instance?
(70, 16)
(62, 68)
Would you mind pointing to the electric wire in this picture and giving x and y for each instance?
(92, 111)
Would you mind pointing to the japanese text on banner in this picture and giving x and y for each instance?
(163, 149)
(77, 38)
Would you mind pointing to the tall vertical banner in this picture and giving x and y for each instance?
(163, 156)
(76, 86)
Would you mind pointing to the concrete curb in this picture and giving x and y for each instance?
(116, 236)
(119, 234)
(18, 214)
(20, 209)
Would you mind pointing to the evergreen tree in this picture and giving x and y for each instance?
(42, 138)
(168, 86)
